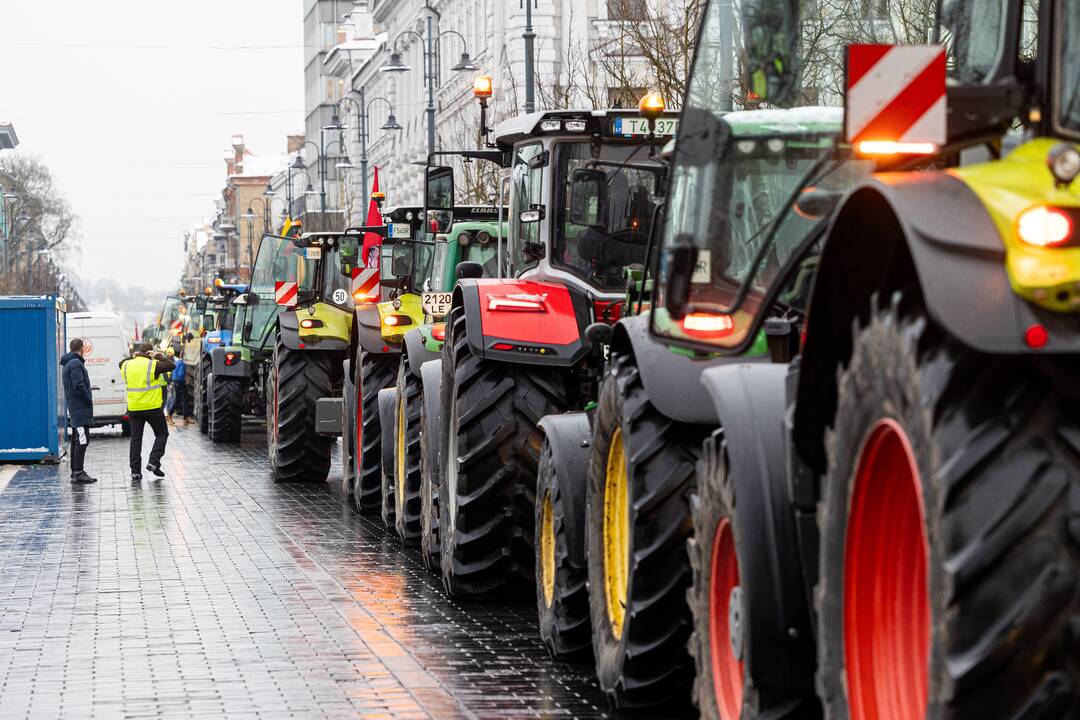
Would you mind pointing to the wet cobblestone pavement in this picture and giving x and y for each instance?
(216, 592)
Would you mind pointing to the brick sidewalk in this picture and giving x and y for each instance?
(217, 592)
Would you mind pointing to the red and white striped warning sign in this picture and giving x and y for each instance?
(365, 278)
(895, 94)
(285, 293)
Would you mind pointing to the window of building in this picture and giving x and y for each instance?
(627, 9)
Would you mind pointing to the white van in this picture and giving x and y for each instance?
(104, 347)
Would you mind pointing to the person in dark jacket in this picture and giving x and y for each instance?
(80, 406)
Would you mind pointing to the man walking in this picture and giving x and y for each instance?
(144, 374)
(80, 405)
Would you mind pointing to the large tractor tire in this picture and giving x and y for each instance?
(430, 417)
(562, 598)
(202, 412)
(226, 409)
(490, 447)
(718, 642)
(371, 374)
(388, 428)
(407, 455)
(950, 530)
(348, 430)
(640, 479)
(298, 378)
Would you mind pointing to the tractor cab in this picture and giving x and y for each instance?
(584, 188)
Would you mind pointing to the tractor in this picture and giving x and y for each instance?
(381, 315)
(212, 326)
(881, 520)
(294, 331)
(432, 268)
(583, 186)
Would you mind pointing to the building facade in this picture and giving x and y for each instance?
(575, 41)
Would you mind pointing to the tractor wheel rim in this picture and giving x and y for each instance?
(399, 455)
(725, 623)
(616, 534)
(547, 549)
(886, 601)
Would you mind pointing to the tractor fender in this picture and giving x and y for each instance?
(289, 327)
(750, 402)
(239, 370)
(892, 231)
(387, 426)
(369, 332)
(569, 436)
(416, 352)
(672, 381)
(554, 336)
(431, 382)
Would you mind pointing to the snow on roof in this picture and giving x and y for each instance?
(263, 165)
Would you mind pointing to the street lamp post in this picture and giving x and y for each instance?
(320, 148)
(363, 109)
(430, 47)
(529, 36)
(250, 216)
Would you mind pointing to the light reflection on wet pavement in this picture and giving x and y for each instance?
(218, 592)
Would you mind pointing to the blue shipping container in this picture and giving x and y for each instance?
(32, 416)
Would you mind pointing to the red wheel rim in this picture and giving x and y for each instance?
(886, 602)
(727, 668)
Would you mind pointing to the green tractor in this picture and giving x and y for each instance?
(294, 333)
(474, 238)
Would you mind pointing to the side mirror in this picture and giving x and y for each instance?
(208, 322)
(401, 260)
(681, 261)
(348, 254)
(814, 203)
(469, 269)
(588, 197)
(771, 42)
(439, 197)
(598, 334)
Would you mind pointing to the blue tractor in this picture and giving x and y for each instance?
(211, 327)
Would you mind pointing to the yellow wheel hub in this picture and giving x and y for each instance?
(399, 456)
(547, 549)
(616, 535)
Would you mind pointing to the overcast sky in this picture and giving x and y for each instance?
(132, 103)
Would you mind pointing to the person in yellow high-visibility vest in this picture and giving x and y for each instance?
(145, 375)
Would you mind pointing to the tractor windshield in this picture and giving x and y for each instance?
(174, 321)
(599, 254)
(278, 260)
(423, 262)
(757, 169)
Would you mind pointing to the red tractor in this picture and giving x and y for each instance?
(583, 187)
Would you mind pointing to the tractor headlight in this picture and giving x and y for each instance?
(1064, 162)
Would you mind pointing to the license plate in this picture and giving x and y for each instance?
(314, 253)
(399, 231)
(436, 304)
(631, 126)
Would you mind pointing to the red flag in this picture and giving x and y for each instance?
(365, 278)
(374, 217)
